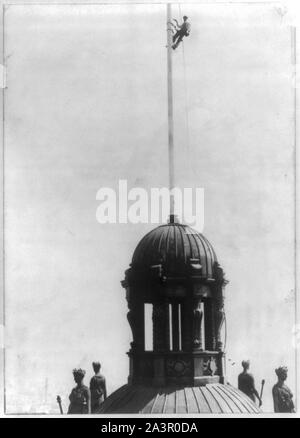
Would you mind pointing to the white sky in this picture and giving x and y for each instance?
(85, 106)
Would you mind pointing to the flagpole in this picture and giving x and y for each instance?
(170, 112)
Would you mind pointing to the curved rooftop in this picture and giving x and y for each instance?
(213, 398)
(176, 246)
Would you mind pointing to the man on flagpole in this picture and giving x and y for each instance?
(182, 30)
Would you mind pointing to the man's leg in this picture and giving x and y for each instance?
(177, 34)
(178, 41)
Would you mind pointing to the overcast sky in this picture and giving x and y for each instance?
(85, 106)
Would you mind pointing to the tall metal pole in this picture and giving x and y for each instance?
(170, 112)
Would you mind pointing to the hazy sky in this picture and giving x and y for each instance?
(85, 106)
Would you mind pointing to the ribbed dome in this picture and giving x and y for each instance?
(176, 246)
(212, 398)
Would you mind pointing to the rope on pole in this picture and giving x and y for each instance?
(187, 122)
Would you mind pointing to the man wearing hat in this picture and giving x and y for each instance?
(246, 382)
(182, 31)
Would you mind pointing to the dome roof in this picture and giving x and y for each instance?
(212, 398)
(176, 246)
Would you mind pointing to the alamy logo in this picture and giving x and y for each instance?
(137, 205)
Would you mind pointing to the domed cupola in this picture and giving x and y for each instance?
(175, 273)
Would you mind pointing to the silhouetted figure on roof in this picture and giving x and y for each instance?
(246, 383)
(80, 400)
(282, 395)
(182, 30)
(97, 388)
